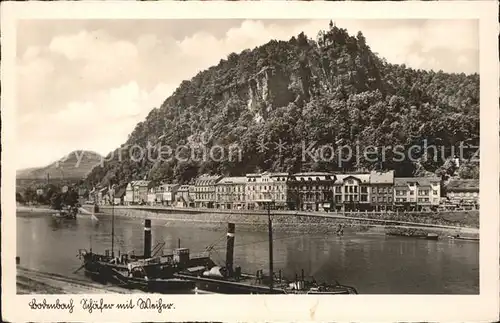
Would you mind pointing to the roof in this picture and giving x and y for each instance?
(382, 177)
(463, 185)
(278, 174)
(364, 178)
(167, 185)
(139, 183)
(183, 188)
(314, 176)
(207, 180)
(233, 180)
(421, 181)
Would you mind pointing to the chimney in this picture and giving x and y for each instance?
(230, 248)
(147, 238)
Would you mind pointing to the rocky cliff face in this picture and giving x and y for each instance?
(330, 90)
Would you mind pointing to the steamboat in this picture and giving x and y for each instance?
(149, 272)
(227, 279)
(178, 271)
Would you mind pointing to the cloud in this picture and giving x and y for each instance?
(92, 46)
(100, 124)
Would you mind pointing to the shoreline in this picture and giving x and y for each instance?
(33, 209)
(283, 221)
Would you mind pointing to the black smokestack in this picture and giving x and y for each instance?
(147, 238)
(230, 248)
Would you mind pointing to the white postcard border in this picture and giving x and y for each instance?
(484, 307)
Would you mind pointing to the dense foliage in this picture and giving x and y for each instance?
(286, 95)
(59, 200)
(52, 195)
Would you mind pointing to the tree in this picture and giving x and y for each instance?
(56, 201)
(335, 91)
(71, 197)
(30, 195)
(19, 198)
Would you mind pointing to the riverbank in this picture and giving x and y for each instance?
(289, 221)
(33, 209)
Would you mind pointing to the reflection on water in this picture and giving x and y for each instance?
(373, 264)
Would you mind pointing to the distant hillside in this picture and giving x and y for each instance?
(74, 166)
(330, 91)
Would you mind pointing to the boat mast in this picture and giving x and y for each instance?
(111, 195)
(270, 229)
(112, 231)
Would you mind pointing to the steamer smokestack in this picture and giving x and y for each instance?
(147, 238)
(230, 248)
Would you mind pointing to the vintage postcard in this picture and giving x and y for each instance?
(251, 161)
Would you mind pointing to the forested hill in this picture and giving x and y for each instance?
(275, 101)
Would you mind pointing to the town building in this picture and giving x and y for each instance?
(312, 191)
(382, 190)
(351, 192)
(417, 193)
(183, 197)
(119, 195)
(137, 192)
(464, 192)
(192, 195)
(152, 196)
(265, 188)
(230, 193)
(129, 195)
(102, 196)
(165, 194)
(92, 196)
(204, 189)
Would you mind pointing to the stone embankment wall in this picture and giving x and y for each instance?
(291, 221)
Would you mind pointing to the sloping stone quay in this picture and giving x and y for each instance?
(289, 221)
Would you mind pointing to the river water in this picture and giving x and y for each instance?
(373, 263)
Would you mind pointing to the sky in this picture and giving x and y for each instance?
(85, 84)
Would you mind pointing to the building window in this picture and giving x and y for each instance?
(435, 192)
(364, 189)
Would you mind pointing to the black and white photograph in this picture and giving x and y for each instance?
(212, 156)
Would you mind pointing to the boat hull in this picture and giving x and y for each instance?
(105, 275)
(416, 236)
(221, 286)
(162, 286)
(229, 287)
(465, 239)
